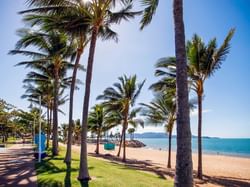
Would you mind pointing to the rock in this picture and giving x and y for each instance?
(134, 143)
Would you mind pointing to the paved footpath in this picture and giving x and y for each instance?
(17, 166)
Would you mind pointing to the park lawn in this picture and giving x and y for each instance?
(11, 140)
(52, 171)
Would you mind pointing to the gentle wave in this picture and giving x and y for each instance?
(233, 147)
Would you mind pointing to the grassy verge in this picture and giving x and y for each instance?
(52, 172)
(11, 140)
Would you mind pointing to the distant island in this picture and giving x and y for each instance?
(160, 135)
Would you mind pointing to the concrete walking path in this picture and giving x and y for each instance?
(17, 166)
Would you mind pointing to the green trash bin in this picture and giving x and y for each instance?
(109, 146)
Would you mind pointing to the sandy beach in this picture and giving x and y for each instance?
(219, 170)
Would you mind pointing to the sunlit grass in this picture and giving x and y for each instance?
(52, 172)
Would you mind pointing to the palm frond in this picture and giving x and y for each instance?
(149, 11)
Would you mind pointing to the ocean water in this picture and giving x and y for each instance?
(235, 147)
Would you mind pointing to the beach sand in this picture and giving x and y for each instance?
(219, 170)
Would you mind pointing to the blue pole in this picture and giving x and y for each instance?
(40, 141)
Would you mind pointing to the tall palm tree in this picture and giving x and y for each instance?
(99, 16)
(162, 110)
(54, 51)
(67, 20)
(203, 61)
(33, 92)
(122, 97)
(184, 165)
(116, 118)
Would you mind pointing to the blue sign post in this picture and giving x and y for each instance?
(40, 149)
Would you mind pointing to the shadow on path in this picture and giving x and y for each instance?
(17, 167)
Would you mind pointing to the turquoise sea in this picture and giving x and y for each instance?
(224, 146)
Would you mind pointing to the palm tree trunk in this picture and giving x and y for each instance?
(199, 174)
(98, 142)
(184, 165)
(169, 148)
(124, 146)
(120, 144)
(67, 159)
(55, 116)
(48, 126)
(50, 120)
(124, 133)
(83, 173)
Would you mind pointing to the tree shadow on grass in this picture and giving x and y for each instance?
(48, 182)
(164, 172)
(138, 165)
(47, 166)
(67, 179)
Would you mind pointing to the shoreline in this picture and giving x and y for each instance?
(204, 152)
(194, 151)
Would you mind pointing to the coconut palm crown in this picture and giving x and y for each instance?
(203, 61)
(122, 96)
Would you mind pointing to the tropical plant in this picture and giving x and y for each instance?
(184, 165)
(160, 111)
(97, 123)
(54, 51)
(203, 61)
(63, 131)
(16, 122)
(77, 131)
(115, 117)
(68, 20)
(121, 98)
(5, 118)
(98, 15)
(131, 132)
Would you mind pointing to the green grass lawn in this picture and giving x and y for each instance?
(52, 172)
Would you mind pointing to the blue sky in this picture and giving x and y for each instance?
(227, 103)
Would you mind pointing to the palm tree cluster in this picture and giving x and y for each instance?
(193, 63)
(64, 29)
(58, 33)
(118, 100)
(50, 60)
(203, 60)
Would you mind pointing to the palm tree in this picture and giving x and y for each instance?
(77, 131)
(97, 123)
(203, 61)
(66, 21)
(54, 50)
(131, 132)
(71, 19)
(99, 16)
(184, 165)
(116, 118)
(162, 110)
(32, 93)
(63, 131)
(122, 97)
